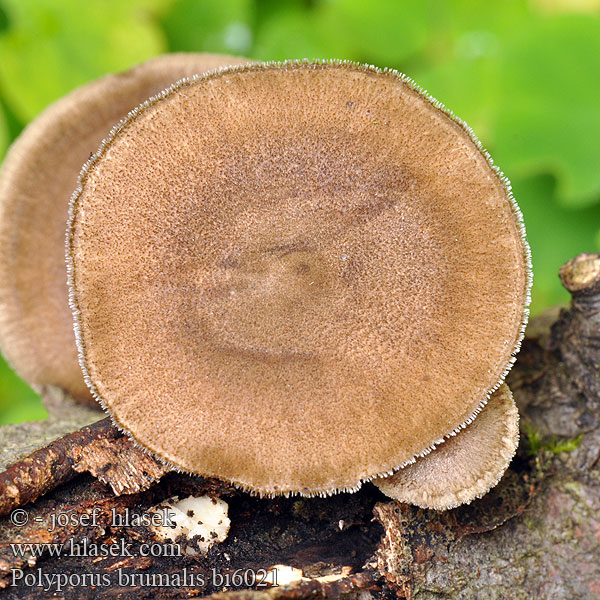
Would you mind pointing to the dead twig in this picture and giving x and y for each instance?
(98, 448)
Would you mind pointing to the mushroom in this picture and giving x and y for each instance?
(36, 182)
(198, 522)
(296, 277)
(465, 466)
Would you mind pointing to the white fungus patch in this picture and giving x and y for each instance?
(283, 575)
(278, 575)
(194, 523)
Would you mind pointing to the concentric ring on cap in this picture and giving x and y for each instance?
(295, 276)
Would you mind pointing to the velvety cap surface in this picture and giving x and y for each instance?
(296, 276)
(36, 182)
(465, 466)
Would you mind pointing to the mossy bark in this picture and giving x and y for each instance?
(536, 535)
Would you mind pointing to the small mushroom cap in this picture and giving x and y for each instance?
(465, 466)
(36, 183)
(294, 276)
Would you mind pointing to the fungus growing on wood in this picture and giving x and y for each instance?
(295, 277)
(36, 182)
(465, 466)
(196, 523)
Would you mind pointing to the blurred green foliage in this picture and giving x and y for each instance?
(525, 74)
(52, 46)
(209, 26)
(3, 134)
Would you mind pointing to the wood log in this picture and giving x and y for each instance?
(536, 535)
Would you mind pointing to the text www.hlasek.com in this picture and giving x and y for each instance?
(84, 548)
(57, 582)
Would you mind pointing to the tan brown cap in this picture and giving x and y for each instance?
(36, 182)
(465, 466)
(295, 276)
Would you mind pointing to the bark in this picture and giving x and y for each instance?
(536, 535)
(98, 449)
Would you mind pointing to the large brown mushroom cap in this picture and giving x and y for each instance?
(465, 466)
(295, 277)
(36, 182)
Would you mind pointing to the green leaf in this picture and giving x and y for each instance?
(293, 32)
(18, 402)
(3, 134)
(548, 116)
(208, 26)
(3, 20)
(383, 32)
(555, 233)
(529, 87)
(53, 46)
(468, 85)
(461, 66)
